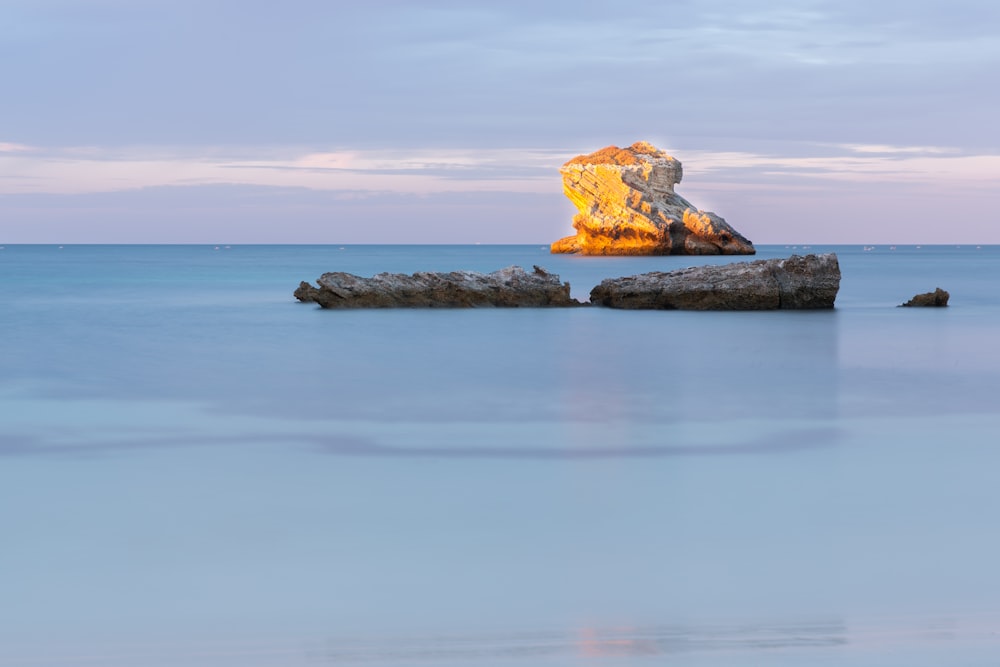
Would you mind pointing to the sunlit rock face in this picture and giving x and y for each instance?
(627, 206)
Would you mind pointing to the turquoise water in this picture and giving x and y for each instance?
(195, 469)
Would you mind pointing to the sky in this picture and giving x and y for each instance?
(328, 121)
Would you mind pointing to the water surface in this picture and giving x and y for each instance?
(195, 469)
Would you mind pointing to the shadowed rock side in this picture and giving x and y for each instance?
(936, 299)
(511, 287)
(627, 206)
(795, 283)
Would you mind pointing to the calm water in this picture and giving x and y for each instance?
(196, 470)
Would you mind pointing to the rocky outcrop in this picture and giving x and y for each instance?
(306, 293)
(627, 206)
(512, 287)
(936, 299)
(794, 283)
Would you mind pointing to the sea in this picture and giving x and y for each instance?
(197, 470)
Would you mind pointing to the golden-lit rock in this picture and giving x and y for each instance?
(627, 206)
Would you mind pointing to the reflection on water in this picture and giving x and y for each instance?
(586, 642)
(894, 642)
(536, 442)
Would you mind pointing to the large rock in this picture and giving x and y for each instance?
(627, 206)
(794, 283)
(511, 287)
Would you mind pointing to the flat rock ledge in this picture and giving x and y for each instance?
(512, 287)
(809, 282)
(936, 299)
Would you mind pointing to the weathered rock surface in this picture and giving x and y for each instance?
(936, 299)
(306, 293)
(627, 206)
(794, 283)
(512, 287)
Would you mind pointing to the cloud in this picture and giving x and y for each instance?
(13, 148)
(418, 172)
(430, 171)
(485, 74)
(882, 148)
(863, 164)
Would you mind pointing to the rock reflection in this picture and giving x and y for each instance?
(357, 446)
(589, 642)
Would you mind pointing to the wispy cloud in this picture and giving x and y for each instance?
(6, 147)
(77, 170)
(81, 170)
(885, 149)
(862, 163)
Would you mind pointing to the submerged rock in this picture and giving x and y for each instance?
(627, 206)
(794, 283)
(936, 299)
(512, 287)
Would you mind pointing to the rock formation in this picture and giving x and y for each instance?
(936, 299)
(795, 283)
(627, 206)
(511, 287)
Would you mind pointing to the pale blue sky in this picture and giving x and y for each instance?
(398, 122)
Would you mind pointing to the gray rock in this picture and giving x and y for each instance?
(797, 282)
(936, 299)
(511, 287)
(306, 293)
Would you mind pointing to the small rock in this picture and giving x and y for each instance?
(936, 299)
